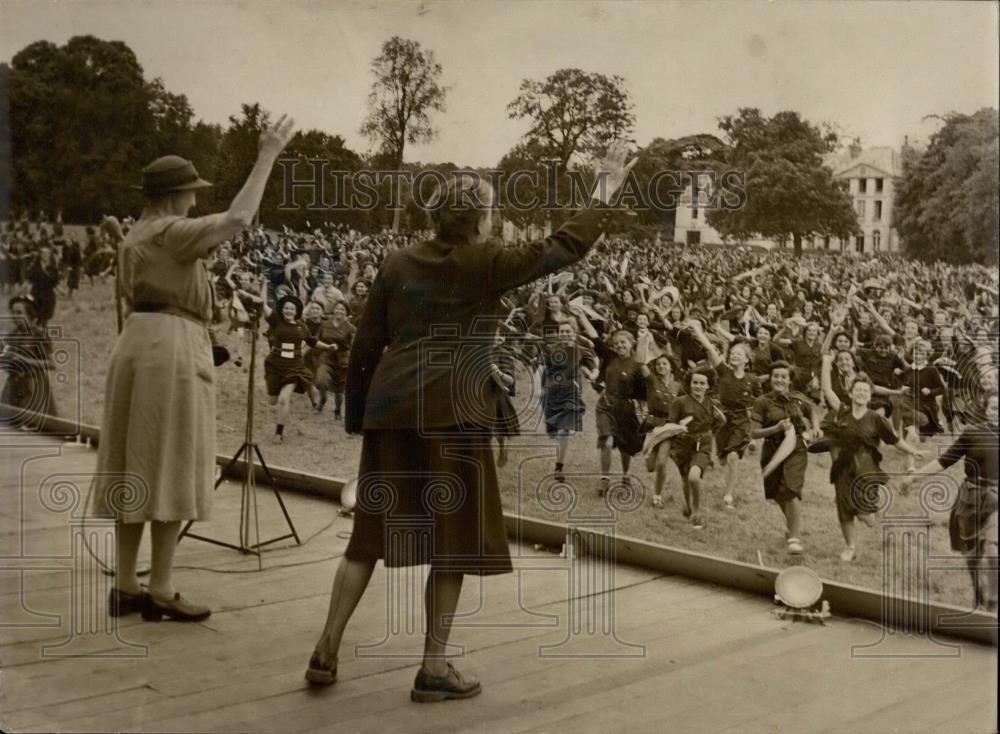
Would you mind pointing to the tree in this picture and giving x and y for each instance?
(406, 90)
(790, 194)
(83, 122)
(573, 112)
(947, 197)
(521, 195)
(662, 166)
(237, 153)
(5, 152)
(238, 150)
(81, 127)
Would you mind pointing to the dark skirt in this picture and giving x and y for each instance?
(734, 436)
(430, 500)
(857, 480)
(280, 372)
(973, 520)
(616, 419)
(688, 452)
(785, 482)
(564, 408)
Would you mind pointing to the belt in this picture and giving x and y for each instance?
(183, 313)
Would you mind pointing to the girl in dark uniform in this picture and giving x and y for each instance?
(341, 330)
(502, 374)
(691, 450)
(317, 358)
(285, 371)
(26, 357)
(973, 521)
(661, 391)
(562, 399)
(780, 417)
(843, 371)
(853, 432)
(617, 423)
(72, 260)
(44, 277)
(737, 389)
(922, 384)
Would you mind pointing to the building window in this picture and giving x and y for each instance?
(862, 183)
(876, 240)
(860, 243)
(860, 206)
(877, 214)
(694, 212)
(826, 243)
(878, 186)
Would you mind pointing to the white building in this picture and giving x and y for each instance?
(870, 174)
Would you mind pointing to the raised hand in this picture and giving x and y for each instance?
(612, 171)
(277, 135)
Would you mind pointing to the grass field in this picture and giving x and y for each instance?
(752, 533)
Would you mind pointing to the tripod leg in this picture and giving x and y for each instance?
(228, 467)
(277, 494)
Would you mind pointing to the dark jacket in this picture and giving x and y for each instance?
(422, 355)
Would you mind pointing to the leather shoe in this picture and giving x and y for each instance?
(121, 602)
(429, 688)
(177, 608)
(321, 674)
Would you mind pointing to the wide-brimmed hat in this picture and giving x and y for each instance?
(170, 173)
(290, 299)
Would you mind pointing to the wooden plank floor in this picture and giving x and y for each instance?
(711, 659)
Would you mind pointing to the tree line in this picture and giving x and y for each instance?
(79, 121)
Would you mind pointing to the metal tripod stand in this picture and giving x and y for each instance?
(248, 497)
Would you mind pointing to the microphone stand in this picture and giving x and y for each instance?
(248, 497)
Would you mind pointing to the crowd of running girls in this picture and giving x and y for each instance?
(305, 293)
(700, 355)
(697, 356)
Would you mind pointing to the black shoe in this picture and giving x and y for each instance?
(319, 674)
(121, 602)
(429, 688)
(177, 608)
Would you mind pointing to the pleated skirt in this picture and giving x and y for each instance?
(430, 499)
(156, 457)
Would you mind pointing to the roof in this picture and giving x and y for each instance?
(882, 158)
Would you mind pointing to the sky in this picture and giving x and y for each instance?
(874, 69)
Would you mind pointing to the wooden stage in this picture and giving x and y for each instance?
(557, 649)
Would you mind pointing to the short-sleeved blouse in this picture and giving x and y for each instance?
(163, 263)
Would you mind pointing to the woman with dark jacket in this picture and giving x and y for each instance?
(973, 522)
(419, 391)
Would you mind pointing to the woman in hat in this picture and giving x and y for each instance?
(285, 369)
(156, 458)
(418, 390)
